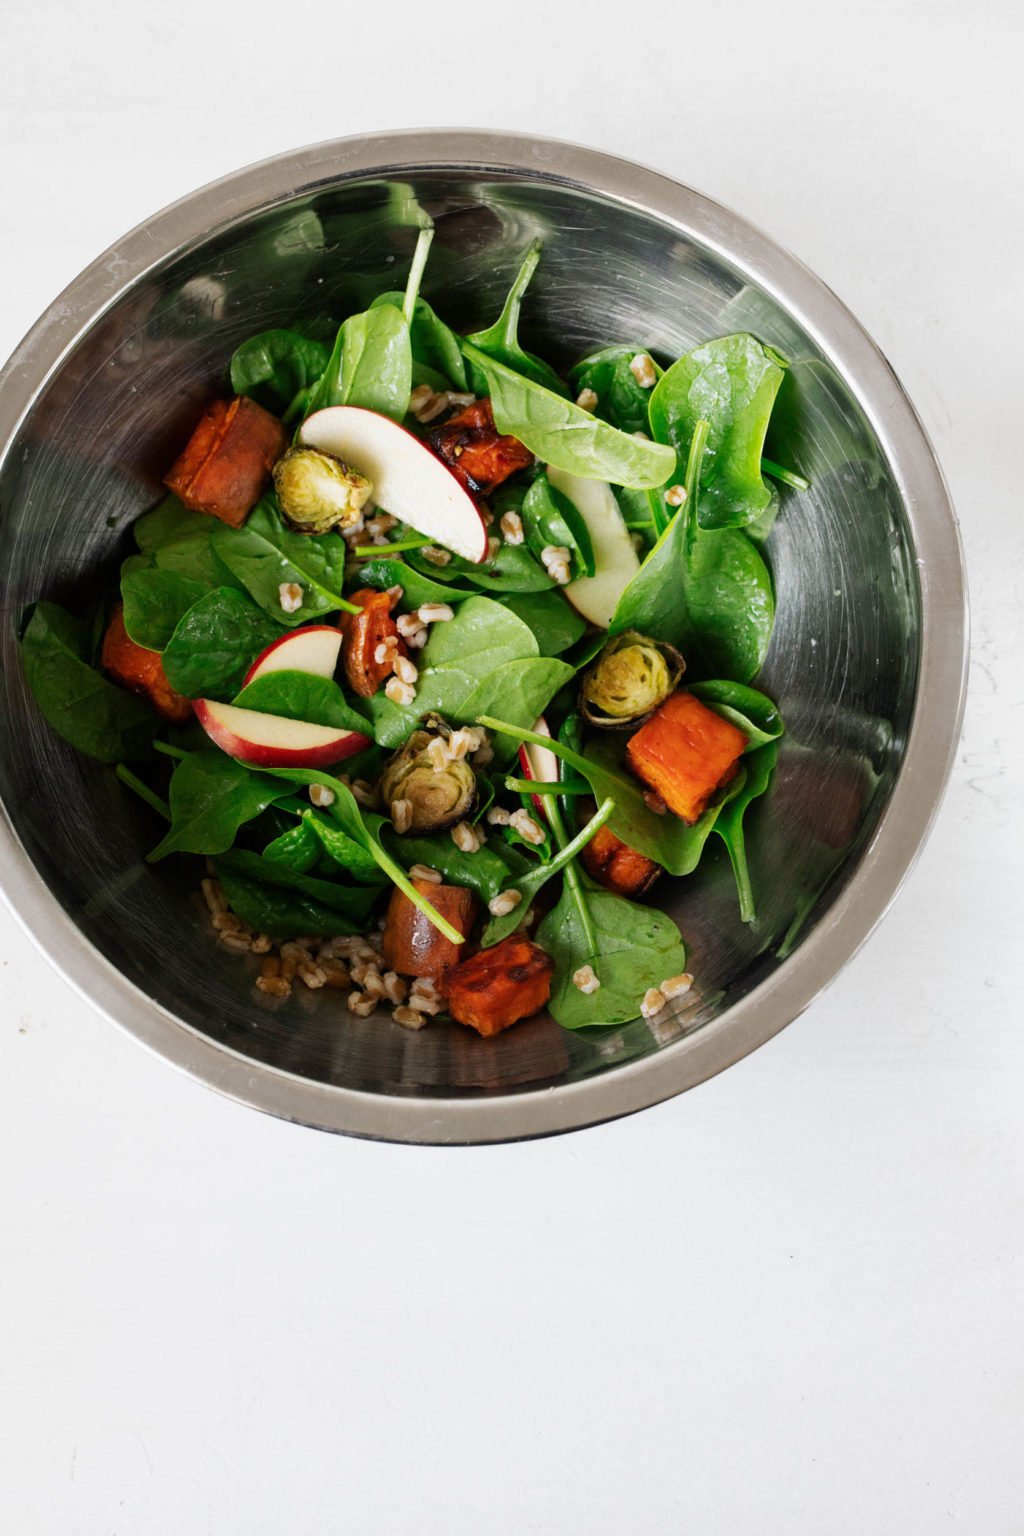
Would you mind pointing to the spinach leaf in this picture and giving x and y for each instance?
(364, 828)
(211, 796)
(751, 712)
(376, 362)
(513, 569)
(565, 436)
(522, 690)
(501, 340)
(637, 948)
(298, 847)
(760, 765)
(555, 623)
(279, 911)
(621, 400)
(731, 384)
(215, 643)
(551, 518)
(155, 601)
(302, 696)
(458, 656)
(670, 842)
(435, 347)
(273, 367)
(182, 541)
(416, 588)
(355, 901)
(84, 707)
(343, 850)
(265, 552)
(531, 881)
(485, 872)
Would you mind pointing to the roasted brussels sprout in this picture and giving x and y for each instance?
(629, 679)
(318, 492)
(436, 789)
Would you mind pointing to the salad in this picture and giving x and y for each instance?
(443, 662)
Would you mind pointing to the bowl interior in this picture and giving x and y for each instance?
(89, 458)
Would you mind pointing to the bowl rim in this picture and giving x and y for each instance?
(932, 737)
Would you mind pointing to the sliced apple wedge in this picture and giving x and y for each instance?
(272, 741)
(408, 480)
(539, 763)
(615, 559)
(315, 650)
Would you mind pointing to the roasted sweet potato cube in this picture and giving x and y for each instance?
(685, 753)
(141, 671)
(227, 460)
(362, 633)
(616, 866)
(500, 986)
(412, 946)
(476, 452)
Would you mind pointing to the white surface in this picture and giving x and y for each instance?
(789, 1302)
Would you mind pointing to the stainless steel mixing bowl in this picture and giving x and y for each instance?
(867, 660)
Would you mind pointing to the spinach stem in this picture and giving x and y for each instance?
(546, 787)
(787, 476)
(419, 261)
(574, 759)
(694, 459)
(169, 751)
(143, 791)
(571, 873)
(382, 551)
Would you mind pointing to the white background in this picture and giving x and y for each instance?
(789, 1302)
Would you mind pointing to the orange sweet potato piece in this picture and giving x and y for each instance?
(477, 454)
(141, 671)
(227, 460)
(361, 635)
(685, 752)
(412, 946)
(617, 866)
(500, 986)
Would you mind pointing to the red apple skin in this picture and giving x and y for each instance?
(253, 672)
(421, 447)
(541, 729)
(260, 756)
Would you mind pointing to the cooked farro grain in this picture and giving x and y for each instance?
(409, 1018)
(504, 902)
(424, 872)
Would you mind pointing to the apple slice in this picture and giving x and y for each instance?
(315, 649)
(272, 741)
(615, 559)
(539, 763)
(408, 480)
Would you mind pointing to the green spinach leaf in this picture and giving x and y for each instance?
(522, 690)
(343, 850)
(275, 366)
(84, 707)
(215, 643)
(751, 712)
(621, 400)
(731, 384)
(555, 623)
(549, 518)
(265, 553)
(182, 541)
(211, 796)
(302, 696)
(563, 435)
(532, 880)
(513, 569)
(280, 911)
(760, 765)
(435, 347)
(355, 901)
(155, 601)
(298, 847)
(485, 872)
(416, 588)
(501, 340)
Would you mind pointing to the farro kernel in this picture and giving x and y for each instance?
(675, 495)
(273, 986)
(419, 397)
(426, 1002)
(364, 792)
(321, 796)
(335, 976)
(237, 943)
(654, 802)
(417, 640)
(531, 831)
(213, 895)
(406, 671)
(587, 400)
(461, 743)
(435, 613)
(409, 1018)
(493, 547)
(465, 837)
(586, 979)
(373, 982)
(483, 755)
(511, 526)
(504, 902)
(226, 922)
(676, 986)
(361, 1005)
(399, 692)
(643, 370)
(401, 815)
(498, 816)
(270, 966)
(424, 872)
(408, 623)
(435, 555)
(289, 596)
(653, 1002)
(437, 753)
(262, 944)
(395, 988)
(313, 976)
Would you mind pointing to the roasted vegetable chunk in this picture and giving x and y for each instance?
(141, 671)
(500, 986)
(412, 946)
(616, 866)
(227, 460)
(475, 451)
(370, 642)
(685, 752)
